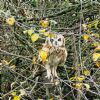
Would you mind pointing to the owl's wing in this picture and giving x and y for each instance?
(62, 55)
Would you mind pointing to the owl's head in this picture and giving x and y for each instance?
(57, 41)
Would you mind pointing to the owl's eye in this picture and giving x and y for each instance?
(59, 39)
(51, 40)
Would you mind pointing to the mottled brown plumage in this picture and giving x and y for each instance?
(56, 56)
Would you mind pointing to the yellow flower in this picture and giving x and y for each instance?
(86, 72)
(96, 56)
(30, 32)
(42, 30)
(52, 98)
(51, 35)
(98, 64)
(94, 24)
(87, 86)
(10, 21)
(80, 78)
(34, 37)
(86, 37)
(89, 25)
(77, 78)
(88, 31)
(95, 44)
(16, 98)
(43, 54)
(46, 33)
(79, 85)
(44, 23)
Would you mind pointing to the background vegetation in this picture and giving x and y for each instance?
(22, 76)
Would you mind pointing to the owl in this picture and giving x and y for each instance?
(57, 55)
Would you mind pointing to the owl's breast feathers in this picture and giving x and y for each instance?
(57, 55)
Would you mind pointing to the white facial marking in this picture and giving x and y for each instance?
(56, 41)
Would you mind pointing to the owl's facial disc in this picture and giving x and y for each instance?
(57, 41)
(60, 39)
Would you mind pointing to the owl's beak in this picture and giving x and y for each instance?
(55, 42)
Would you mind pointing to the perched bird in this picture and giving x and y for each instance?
(57, 54)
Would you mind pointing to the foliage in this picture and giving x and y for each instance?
(24, 26)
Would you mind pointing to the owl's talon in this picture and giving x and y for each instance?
(48, 76)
